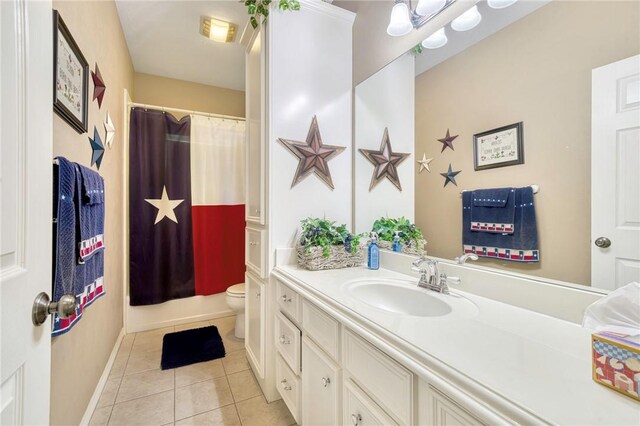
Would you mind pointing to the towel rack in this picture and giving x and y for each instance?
(55, 161)
(536, 189)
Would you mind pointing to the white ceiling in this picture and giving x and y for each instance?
(163, 39)
(493, 20)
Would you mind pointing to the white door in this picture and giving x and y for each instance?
(254, 328)
(615, 174)
(320, 387)
(25, 208)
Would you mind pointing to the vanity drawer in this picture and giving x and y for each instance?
(360, 410)
(288, 384)
(288, 341)
(386, 381)
(445, 411)
(289, 301)
(323, 329)
(255, 250)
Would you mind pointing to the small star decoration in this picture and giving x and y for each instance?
(165, 206)
(424, 163)
(109, 131)
(385, 161)
(450, 176)
(313, 155)
(447, 141)
(97, 148)
(98, 86)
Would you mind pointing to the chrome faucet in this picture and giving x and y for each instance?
(462, 259)
(429, 277)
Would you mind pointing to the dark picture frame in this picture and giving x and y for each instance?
(70, 77)
(500, 147)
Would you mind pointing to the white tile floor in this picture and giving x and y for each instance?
(219, 392)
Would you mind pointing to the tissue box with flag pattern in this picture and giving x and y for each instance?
(616, 362)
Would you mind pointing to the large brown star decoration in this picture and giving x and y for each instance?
(313, 155)
(385, 161)
(98, 86)
(447, 141)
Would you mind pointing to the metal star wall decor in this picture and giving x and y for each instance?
(109, 131)
(424, 163)
(450, 176)
(97, 148)
(313, 155)
(447, 141)
(98, 86)
(385, 161)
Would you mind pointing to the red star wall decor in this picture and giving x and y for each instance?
(98, 86)
(447, 141)
(313, 155)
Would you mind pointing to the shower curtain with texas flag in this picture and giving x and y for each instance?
(186, 206)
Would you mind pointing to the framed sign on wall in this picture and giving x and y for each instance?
(70, 77)
(498, 147)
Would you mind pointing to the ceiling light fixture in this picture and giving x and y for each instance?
(403, 18)
(468, 20)
(435, 40)
(217, 29)
(500, 4)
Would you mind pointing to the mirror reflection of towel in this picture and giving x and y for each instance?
(493, 210)
(520, 246)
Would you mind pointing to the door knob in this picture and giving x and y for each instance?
(603, 242)
(43, 306)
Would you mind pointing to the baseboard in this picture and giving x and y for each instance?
(185, 320)
(93, 402)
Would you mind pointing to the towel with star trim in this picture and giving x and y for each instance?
(518, 243)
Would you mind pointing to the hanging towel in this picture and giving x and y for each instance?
(84, 280)
(493, 210)
(90, 212)
(519, 246)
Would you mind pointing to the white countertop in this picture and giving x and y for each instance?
(541, 364)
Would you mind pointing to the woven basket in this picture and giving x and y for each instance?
(415, 249)
(313, 259)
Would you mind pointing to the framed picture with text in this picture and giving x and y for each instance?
(499, 147)
(70, 77)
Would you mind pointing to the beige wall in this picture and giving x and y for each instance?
(79, 356)
(538, 71)
(169, 92)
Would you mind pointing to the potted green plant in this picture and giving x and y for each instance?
(325, 245)
(411, 237)
(260, 9)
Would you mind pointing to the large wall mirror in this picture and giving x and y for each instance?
(531, 63)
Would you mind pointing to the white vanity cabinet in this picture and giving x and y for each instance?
(329, 374)
(321, 386)
(254, 321)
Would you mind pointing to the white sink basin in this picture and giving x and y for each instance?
(404, 297)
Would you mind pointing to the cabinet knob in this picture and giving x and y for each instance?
(326, 381)
(284, 340)
(356, 419)
(258, 295)
(285, 298)
(284, 385)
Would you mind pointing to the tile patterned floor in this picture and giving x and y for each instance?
(219, 392)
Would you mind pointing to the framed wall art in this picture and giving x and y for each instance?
(70, 77)
(498, 147)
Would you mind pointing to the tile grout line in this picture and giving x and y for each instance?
(120, 380)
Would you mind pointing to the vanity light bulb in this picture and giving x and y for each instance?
(400, 23)
(467, 20)
(500, 4)
(429, 7)
(435, 40)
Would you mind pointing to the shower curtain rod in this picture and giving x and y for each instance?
(185, 111)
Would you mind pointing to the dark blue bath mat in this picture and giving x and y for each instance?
(191, 346)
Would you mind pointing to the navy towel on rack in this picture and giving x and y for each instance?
(90, 212)
(72, 275)
(519, 246)
(493, 210)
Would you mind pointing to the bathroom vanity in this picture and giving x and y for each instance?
(361, 347)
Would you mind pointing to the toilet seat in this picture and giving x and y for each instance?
(236, 290)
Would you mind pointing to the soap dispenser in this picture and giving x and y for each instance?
(397, 245)
(373, 253)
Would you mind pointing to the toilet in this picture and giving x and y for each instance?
(235, 300)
